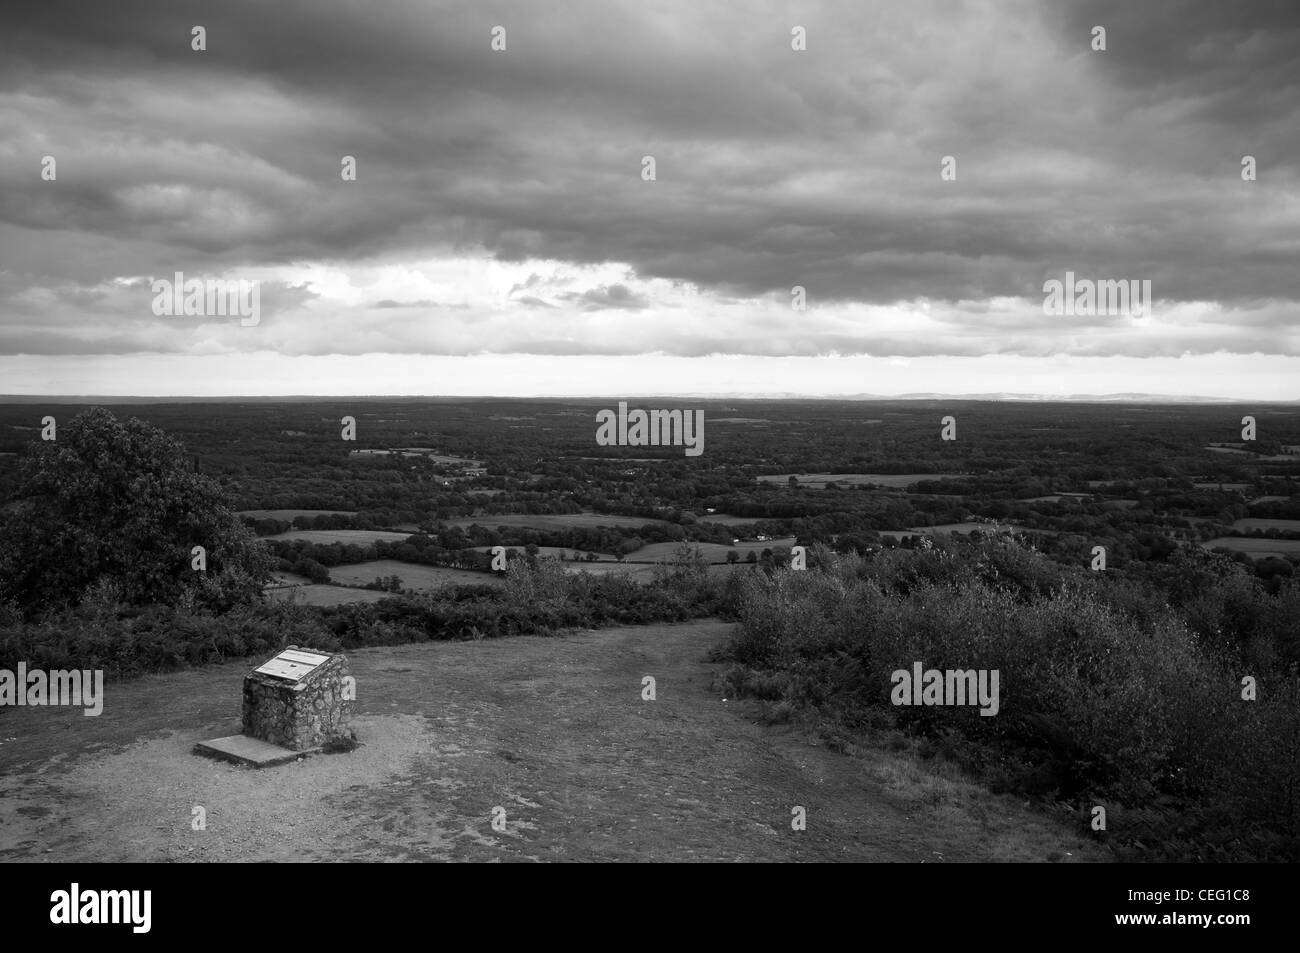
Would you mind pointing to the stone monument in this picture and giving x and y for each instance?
(297, 700)
(294, 704)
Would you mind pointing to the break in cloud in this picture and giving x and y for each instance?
(499, 207)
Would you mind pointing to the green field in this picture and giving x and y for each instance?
(292, 514)
(361, 537)
(551, 520)
(325, 595)
(644, 572)
(1255, 547)
(1254, 523)
(726, 519)
(637, 571)
(288, 579)
(819, 480)
(550, 552)
(413, 575)
(713, 552)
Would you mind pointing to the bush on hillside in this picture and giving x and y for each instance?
(112, 509)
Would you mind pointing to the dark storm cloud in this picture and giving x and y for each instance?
(775, 168)
(1232, 63)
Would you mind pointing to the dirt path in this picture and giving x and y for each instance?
(553, 731)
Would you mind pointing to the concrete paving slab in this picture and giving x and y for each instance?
(253, 752)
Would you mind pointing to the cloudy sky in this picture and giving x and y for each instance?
(500, 236)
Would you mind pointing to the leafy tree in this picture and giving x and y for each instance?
(313, 570)
(115, 504)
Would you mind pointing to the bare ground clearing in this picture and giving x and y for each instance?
(553, 730)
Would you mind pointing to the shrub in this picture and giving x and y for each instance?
(1105, 690)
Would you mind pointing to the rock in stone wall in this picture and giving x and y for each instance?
(298, 715)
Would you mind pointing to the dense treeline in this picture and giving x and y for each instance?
(538, 598)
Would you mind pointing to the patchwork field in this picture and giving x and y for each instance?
(551, 552)
(324, 595)
(725, 519)
(289, 579)
(413, 575)
(713, 552)
(438, 458)
(963, 528)
(326, 536)
(1254, 523)
(292, 514)
(1255, 547)
(819, 480)
(637, 571)
(551, 520)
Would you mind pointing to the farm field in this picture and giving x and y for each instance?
(725, 519)
(1255, 547)
(438, 458)
(282, 578)
(819, 480)
(552, 552)
(1253, 523)
(413, 575)
(967, 527)
(324, 595)
(326, 536)
(442, 459)
(637, 571)
(292, 514)
(644, 572)
(713, 552)
(551, 520)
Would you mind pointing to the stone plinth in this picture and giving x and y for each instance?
(297, 699)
